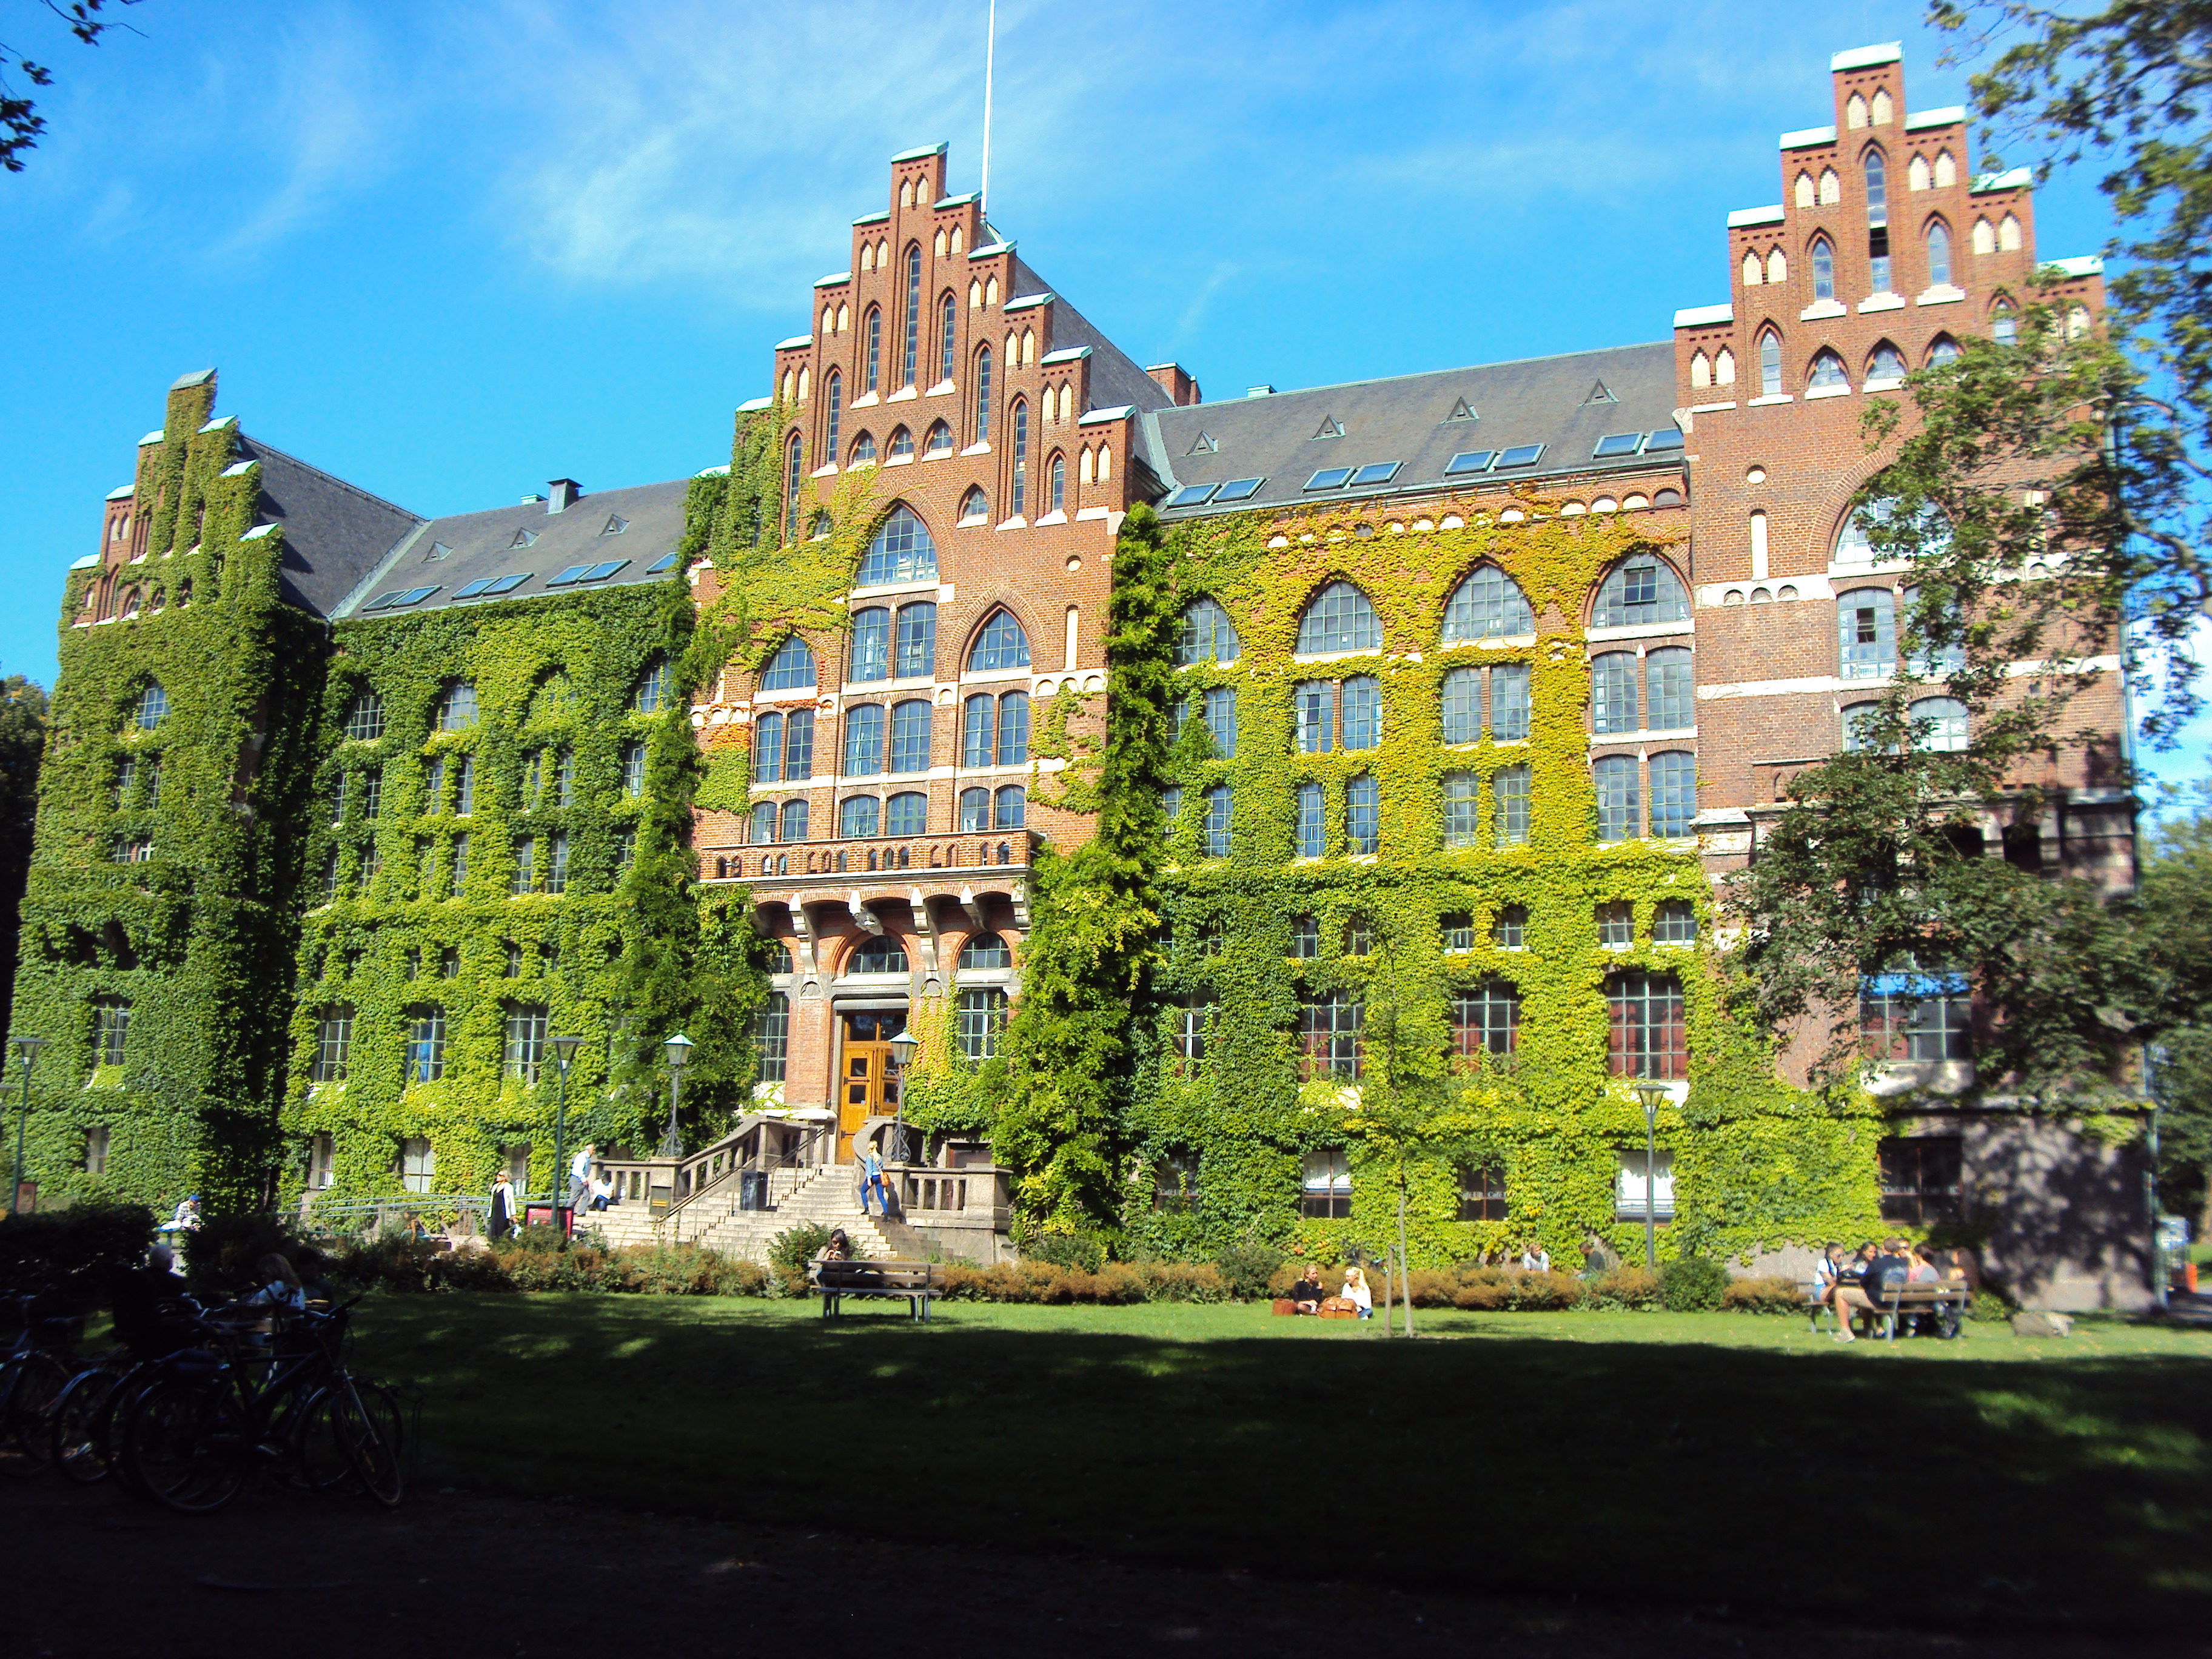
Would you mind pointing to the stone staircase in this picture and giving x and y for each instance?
(823, 1192)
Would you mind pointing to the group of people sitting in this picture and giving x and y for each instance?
(1850, 1287)
(1352, 1298)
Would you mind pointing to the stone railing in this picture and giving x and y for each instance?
(908, 854)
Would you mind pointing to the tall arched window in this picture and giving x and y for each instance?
(910, 725)
(1009, 806)
(872, 361)
(1877, 198)
(1002, 645)
(1939, 254)
(901, 551)
(983, 396)
(1866, 633)
(1488, 605)
(914, 647)
(1207, 635)
(793, 455)
(2004, 326)
(913, 348)
(1947, 731)
(1058, 476)
(833, 398)
(869, 658)
(1020, 422)
(1339, 618)
(1770, 364)
(948, 309)
(978, 731)
(1639, 590)
(1618, 807)
(1824, 269)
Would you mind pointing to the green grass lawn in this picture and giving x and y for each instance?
(1703, 1459)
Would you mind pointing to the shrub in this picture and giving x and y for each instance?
(1082, 1252)
(1182, 1281)
(1509, 1288)
(40, 1249)
(1762, 1295)
(407, 1264)
(789, 1252)
(1633, 1288)
(1248, 1270)
(1692, 1283)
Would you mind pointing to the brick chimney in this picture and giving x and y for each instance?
(1175, 381)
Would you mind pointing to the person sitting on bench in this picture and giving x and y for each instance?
(1884, 1271)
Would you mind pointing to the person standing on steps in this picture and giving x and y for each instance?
(871, 1164)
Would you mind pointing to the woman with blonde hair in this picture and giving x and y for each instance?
(1356, 1292)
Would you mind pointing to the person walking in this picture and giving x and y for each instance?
(872, 1178)
(503, 1207)
(580, 1173)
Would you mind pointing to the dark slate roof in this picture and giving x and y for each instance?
(1408, 419)
(1116, 378)
(449, 553)
(334, 533)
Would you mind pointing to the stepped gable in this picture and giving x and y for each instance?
(1414, 420)
(536, 539)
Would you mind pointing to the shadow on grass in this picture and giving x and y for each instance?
(1682, 1473)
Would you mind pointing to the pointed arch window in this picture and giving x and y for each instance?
(1207, 635)
(864, 450)
(833, 393)
(901, 448)
(1488, 604)
(938, 443)
(1939, 254)
(1888, 363)
(875, 350)
(912, 350)
(1824, 269)
(1770, 364)
(948, 310)
(983, 395)
(1020, 423)
(2004, 326)
(1827, 371)
(975, 507)
(1638, 592)
(1059, 482)
(900, 551)
(1339, 618)
(1876, 172)
(793, 456)
(1944, 351)
(1002, 645)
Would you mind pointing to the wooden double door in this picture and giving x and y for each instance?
(866, 1089)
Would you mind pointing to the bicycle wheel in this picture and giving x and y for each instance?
(36, 1381)
(188, 1446)
(114, 1427)
(78, 1416)
(365, 1420)
(318, 1459)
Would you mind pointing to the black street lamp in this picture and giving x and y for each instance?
(26, 1050)
(903, 1047)
(678, 1051)
(1650, 1094)
(564, 1053)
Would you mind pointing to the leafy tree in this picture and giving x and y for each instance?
(2177, 924)
(22, 741)
(20, 123)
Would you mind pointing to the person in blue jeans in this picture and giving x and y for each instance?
(871, 1180)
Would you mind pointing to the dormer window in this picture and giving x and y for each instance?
(524, 538)
(616, 525)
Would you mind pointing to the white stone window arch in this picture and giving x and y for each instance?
(906, 194)
(844, 318)
(1778, 267)
(937, 243)
(867, 256)
(2009, 235)
(1105, 462)
(1725, 368)
(1881, 110)
(1753, 273)
(1984, 237)
(957, 239)
(1855, 112)
(1831, 187)
(806, 378)
(1916, 174)
(1804, 189)
(975, 295)
(990, 291)
(1947, 170)
(1083, 468)
(1701, 371)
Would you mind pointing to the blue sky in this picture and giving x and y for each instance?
(449, 252)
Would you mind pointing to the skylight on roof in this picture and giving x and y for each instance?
(600, 572)
(1616, 444)
(1375, 472)
(665, 562)
(616, 525)
(412, 595)
(1190, 496)
(1329, 478)
(1238, 490)
(574, 573)
(506, 584)
(1667, 437)
(382, 601)
(469, 590)
(524, 538)
(1472, 460)
(1519, 455)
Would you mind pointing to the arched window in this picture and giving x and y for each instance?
(1824, 269)
(914, 655)
(948, 310)
(1489, 604)
(1866, 633)
(1674, 794)
(858, 817)
(1947, 731)
(1640, 590)
(869, 657)
(1915, 176)
(653, 687)
(1770, 364)
(795, 811)
(1214, 838)
(1059, 485)
(974, 811)
(879, 953)
(1944, 351)
(154, 707)
(1207, 636)
(978, 717)
(762, 833)
(1105, 462)
(910, 738)
(1617, 804)
(1939, 254)
(900, 551)
(1831, 187)
(1010, 807)
(1827, 371)
(1947, 170)
(364, 721)
(456, 707)
(983, 396)
(2004, 325)
(1614, 708)
(864, 450)
(792, 476)
(907, 814)
(983, 951)
(1888, 363)
(2009, 234)
(939, 442)
(1339, 618)
(833, 390)
(1002, 645)
(1014, 729)
(1020, 422)
(975, 507)
(901, 448)
(1877, 199)
(1778, 267)
(871, 361)
(912, 350)
(1363, 816)
(1858, 718)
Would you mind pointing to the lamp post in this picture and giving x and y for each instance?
(564, 1053)
(678, 1051)
(26, 1050)
(903, 1052)
(1650, 1094)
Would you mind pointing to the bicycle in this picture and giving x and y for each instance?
(37, 1366)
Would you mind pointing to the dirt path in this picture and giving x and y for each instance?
(92, 1573)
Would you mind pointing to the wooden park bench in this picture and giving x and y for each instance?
(916, 1282)
(1947, 1299)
